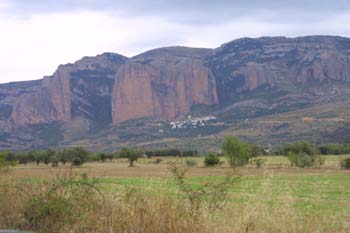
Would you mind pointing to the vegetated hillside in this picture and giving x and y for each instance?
(270, 90)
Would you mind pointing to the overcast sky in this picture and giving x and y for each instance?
(38, 35)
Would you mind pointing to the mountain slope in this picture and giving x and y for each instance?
(108, 101)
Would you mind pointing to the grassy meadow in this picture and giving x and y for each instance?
(274, 198)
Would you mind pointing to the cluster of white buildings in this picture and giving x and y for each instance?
(191, 122)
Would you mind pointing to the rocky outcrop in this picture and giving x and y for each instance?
(48, 103)
(241, 80)
(69, 92)
(281, 63)
(163, 84)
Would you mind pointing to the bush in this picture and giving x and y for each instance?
(259, 162)
(300, 160)
(304, 160)
(345, 163)
(317, 160)
(41, 211)
(76, 161)
(158, 161)
(211, 159)
(191, 162)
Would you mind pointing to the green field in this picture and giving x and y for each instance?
(275, 198)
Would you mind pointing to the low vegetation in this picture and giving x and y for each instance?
(175, 193)
(211, 160)
(345, 163)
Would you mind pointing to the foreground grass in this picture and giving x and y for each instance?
(325, 194)
(263, 200)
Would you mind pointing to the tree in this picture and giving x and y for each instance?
(78, 155)
(110, 156)
(236, 152)
(49, 154)
(24, 157)
(102, 157)
(132, 155)
(10, 156)
(39, 156)
(300, 148)
(54, 160)
(303, 154)
(63, 156)
(4, 163)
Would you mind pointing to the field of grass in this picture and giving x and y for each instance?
(275, 198)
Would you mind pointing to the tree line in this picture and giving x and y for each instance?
(237, 153)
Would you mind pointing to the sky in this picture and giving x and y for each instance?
(38, 35)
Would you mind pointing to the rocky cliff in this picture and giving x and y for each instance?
(280, 63)
(243, 79)
(162, 85)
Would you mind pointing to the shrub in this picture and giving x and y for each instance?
(345, 163)
(76, 161)
(300, 160)
(158, 161)
(191, 162)
(211, 159)
(211, 195)
(293, 159)
(237, 152)
(304, 160)
(41, 211)
(317, 160)
(259, 162)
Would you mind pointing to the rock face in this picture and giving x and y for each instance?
(68, 92)
(161, 85)
(49, 102)
(280, 63)
(245, 78)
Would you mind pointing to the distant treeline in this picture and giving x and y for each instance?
(171, 152)
(309, 148)
(78, 155)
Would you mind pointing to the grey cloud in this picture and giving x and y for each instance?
(195, 11)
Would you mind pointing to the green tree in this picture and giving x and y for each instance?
(24, 157)
(39, 156)
(102, 157)
(78, 155)
(4, 163)
(132, 155)
(236, 151)
(64, 156)
(54, 160)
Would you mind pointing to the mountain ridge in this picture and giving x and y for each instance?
(243, 79)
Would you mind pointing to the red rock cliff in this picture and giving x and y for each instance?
(48, 103)
(161, 87)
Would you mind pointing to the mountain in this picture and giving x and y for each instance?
(269, 90)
